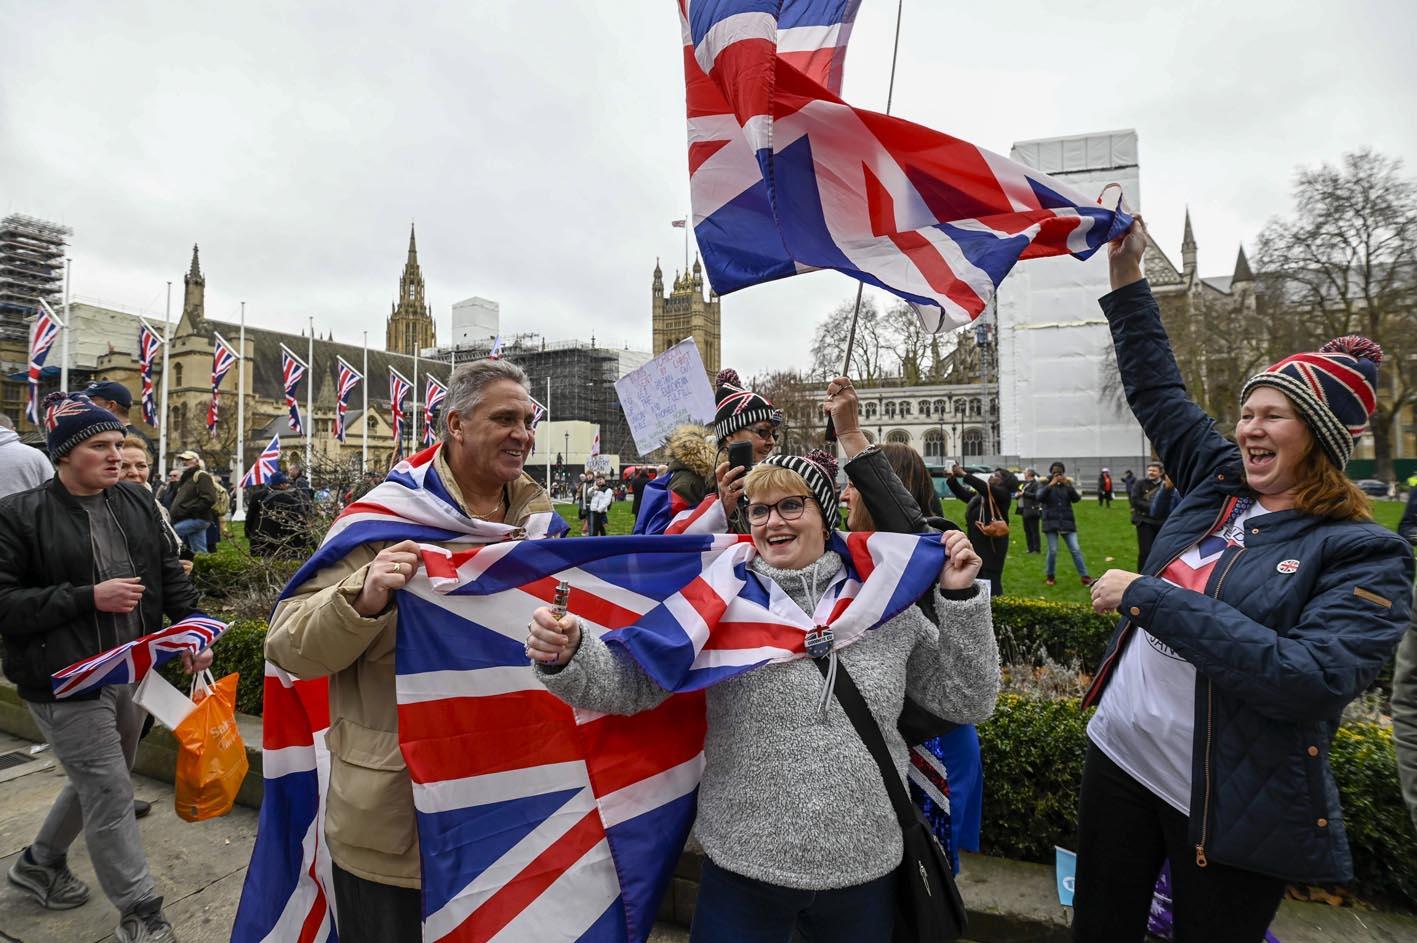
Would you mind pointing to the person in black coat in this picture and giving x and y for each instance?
(988, 504)
(1057, 497)
(1030, 510)
(1139, 497)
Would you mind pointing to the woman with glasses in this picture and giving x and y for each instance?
(792, 813)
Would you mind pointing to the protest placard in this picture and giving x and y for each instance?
(669, 390)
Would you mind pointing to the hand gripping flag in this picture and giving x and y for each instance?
(786, 177)
(292, 370)
(130, 663)
(433, 397)
(224, 357)
(348, 379)
(43, 333)
(267, 463)
(398, 389)
(149, 343)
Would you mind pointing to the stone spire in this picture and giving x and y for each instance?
(410, 325)
(193, 297)
(194, 274)
(1188, 248)
(1242, 268)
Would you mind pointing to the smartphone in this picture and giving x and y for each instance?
(740, 455)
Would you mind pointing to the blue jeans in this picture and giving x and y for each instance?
(736, 909)
(193, 530)
(1071, 538)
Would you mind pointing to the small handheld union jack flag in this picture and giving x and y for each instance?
(149, 343)
(130, 663)
(398, 389)
(496, 352)
(267, 464)
(292, 369)
(43, 333)
(223, 359)
(433, 398)
(349, 378)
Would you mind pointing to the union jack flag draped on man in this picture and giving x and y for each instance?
(43, 333)
(292, 370)
(433, 397)
(348, 379)
(129, 663)
(266, 465)
(398, 389)
(786, 177)
(570, 829)
(149, 343)
(224, 357)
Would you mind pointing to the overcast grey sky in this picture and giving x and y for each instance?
(540, 145)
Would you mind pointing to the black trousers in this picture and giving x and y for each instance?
(597, 523)
(1030, 533)
(1124, 834)
(1146, 535)
(370, 912)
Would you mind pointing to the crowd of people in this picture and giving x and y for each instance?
(1216, 699)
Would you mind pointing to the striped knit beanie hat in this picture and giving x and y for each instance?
(70, 418)
(1335, 390)
(818, 470)
(738, 407)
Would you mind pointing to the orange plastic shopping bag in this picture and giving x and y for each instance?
(211, 759)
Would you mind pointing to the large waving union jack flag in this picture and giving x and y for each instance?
(435, 393)
(786, 177)
(399, 388)
(266, 465)
(348, 379)
(292, 370)
(130, 663)
(43, 332)
(224, 357)
(149, 343)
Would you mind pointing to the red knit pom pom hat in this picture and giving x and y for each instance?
(739, 407)
(1335, 390)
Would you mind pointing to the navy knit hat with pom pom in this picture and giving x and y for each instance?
(818, 470)
(70, 418)
(1334, 390)
(738, 407)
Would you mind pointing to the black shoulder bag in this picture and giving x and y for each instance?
(928, 906)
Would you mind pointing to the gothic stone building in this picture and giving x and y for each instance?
(685, 312)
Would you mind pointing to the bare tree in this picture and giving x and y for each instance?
(868, 354)
(800, 399)
(1345, 262)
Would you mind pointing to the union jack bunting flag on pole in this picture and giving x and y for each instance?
(267, 464)
(129, 663)
(786, 177)
(223, 359)
(149, 343)
(348, 379)
(43, 332)
(433, 397)
(570, 829)
(292, 370)
(399, 388)
(595, 445)
(538, 412)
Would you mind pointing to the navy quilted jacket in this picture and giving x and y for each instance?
(1291, 627)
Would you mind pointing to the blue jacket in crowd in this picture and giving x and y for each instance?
(1280, 643)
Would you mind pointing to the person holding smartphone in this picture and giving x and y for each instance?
(749, 421)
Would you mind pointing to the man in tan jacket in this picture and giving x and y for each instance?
(342, 623)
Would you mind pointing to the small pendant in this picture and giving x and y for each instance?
(819, 641)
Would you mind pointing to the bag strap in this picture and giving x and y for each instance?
(869, 731)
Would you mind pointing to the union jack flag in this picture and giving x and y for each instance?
(43, 332)
(267, 464)
(932, 219)
(129, 663)
(538, 412)
(433, 397)
(399, 388)
(349, 378)
(224, 357)
(149, 343)
(72, 404)
(292, 369)
(496, 352)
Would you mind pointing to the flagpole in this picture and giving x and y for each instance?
(240, 463)
(364, 418)
(414, 445)
(547, 419)
(166, 350)
(310, 407)
(64, 350)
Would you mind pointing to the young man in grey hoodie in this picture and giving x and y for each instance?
(21, 467)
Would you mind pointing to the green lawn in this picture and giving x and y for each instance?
(1106, 534)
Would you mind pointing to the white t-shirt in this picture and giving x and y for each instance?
(1145, 722)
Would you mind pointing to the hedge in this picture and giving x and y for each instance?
(241, 648)
(1029, 629)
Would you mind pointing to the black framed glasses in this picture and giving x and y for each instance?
(766, 433)
(789, 509)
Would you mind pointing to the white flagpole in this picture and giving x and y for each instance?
(364, 418)
(547, 419)
(240, 462)
(310, 407)
(166, 350)
(64, 350)
(414, 446)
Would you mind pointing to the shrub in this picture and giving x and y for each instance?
(244, 587)
(1379, 828)
(1030, 629)
(241, 648)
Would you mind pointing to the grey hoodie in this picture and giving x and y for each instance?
(21, 467)
(788, 797)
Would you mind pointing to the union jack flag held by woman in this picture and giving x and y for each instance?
(129, 663)
(348, 379)
(266, 465)
(43, 333)
(149, 343)
(432, 399)
(224, 357)
(292, 369)
(398, 389)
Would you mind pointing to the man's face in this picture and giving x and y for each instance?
(494, 441)
(1153, 472)
(135, 465)
(94, 464)
(189, 463)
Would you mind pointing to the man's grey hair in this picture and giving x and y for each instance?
(6, 422)
(469, 384)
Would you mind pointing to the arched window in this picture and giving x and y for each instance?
(898, 435)
(870, 436)
(889, 407)
(972, 443)
(940, 407)
(925, 408)
(975, 406)
(934, 446)
(870, 409)
(177, 374)
(959, 407)
(905, 409)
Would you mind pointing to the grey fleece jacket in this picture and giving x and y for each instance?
(788, 797)
(21, 467)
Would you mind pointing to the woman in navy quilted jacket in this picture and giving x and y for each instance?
(1269, 601)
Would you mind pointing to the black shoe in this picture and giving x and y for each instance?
(141, 808)
(54, 887)
(145, 924)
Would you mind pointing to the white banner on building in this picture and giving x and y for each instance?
(669, 390)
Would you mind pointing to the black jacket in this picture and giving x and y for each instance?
(1057, 502)
(196, 495)
(1028, 504)
(993, 551)
(47, 615)
(1142, 493)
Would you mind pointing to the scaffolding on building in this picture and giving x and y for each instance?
(31, 268)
